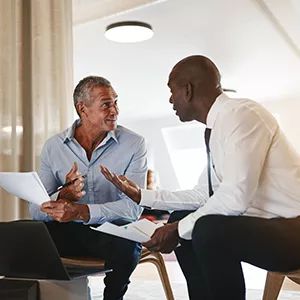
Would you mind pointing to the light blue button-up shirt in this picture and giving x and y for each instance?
(122, 151)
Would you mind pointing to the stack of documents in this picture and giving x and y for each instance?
(140, 231)
(25, 185)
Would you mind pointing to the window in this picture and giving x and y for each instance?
(185, 144)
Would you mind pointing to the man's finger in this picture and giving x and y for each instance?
(47, 204)
(126, 181)
(106, 173)
(122, 185)
(54, 211)
(53, 205)
(79, 195)
(150, 244)
(72, 169)
(78, 181)
(113, 178)
(75, 166)
(78, 187)
(73, 173)
(76, 172)
(123, 178)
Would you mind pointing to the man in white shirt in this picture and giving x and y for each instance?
(246, 205)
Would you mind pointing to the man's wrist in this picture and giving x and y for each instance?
(83, 212)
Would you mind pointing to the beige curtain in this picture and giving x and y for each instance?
(36, 82)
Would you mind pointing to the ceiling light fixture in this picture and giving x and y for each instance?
(128, 32)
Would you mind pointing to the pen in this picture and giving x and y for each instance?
(67, 184)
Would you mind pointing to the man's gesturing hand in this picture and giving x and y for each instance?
(74, 191)
(128, 187)
(165, 239)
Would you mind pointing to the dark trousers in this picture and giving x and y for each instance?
(121, 255)
(211, 261)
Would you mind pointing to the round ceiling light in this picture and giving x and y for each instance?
(129, 32)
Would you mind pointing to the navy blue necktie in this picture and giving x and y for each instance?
(207, 137)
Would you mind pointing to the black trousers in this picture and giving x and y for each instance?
(211, 261)
(121, 255)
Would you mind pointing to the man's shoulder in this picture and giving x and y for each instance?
(56, 139)
(243, 106)
(125, 134)
(247, 112)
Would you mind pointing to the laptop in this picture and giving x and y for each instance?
(28, 251)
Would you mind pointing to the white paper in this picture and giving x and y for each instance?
(140, 231)
(25, 185)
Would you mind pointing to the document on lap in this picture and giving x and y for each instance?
(140, 231)
(25, 185)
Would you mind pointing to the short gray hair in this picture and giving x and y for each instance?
(84, 87)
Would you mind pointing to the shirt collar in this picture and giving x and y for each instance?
(112, 134)
(215, 109)
(71, 132)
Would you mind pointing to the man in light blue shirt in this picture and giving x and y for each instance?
(92, 140)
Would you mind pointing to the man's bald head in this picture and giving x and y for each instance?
(195, 83)
(197, 69)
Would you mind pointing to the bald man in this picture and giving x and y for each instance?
(246, 205)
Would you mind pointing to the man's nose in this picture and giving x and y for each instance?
(114, 109)
(171, 100)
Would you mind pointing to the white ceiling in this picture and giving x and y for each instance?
(87, 10)
(255, 44)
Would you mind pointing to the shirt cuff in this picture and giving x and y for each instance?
(186, 225)
(95, 214)
(147, 198)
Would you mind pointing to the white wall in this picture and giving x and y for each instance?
(289, 111)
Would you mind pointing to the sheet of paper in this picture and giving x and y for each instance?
(140, 231)
(25, 185)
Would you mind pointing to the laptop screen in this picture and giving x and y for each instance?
(27, 251)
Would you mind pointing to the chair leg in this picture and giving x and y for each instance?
(157, 259)
(272, 286)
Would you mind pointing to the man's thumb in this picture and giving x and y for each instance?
(75, 166)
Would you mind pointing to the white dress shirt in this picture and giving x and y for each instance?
(255, 170)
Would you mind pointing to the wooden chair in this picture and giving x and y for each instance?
(274, 283)
(147, 256)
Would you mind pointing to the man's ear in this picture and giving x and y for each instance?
(81, 108)
(189, 92)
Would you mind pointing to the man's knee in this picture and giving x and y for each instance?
(126, 249)
(208, 231)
